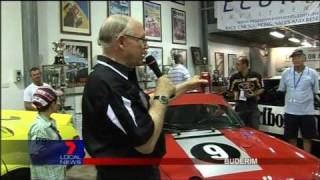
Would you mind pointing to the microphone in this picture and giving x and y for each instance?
(153, 65)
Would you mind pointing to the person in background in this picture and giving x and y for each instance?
(43, 130)
(247, 86)
(300, 83)
(119, 119)
(35, 75)
(178, 73)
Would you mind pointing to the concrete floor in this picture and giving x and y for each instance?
(83, 172)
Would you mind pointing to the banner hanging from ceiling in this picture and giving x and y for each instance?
(245, 15)
(312, 53)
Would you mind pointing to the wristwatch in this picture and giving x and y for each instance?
(162, 99)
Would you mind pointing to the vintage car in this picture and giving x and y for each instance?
(15, 125)
(205, 139)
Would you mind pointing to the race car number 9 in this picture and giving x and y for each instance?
(214, 152)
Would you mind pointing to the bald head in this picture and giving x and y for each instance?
(123, 39)
(114, 26)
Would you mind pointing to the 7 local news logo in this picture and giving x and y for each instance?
(74, 154)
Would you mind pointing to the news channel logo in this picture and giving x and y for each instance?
(52, 152)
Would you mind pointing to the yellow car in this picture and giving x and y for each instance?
(15, 125)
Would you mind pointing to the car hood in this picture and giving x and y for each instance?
(17, 122)
(202, 154)
(15, 126)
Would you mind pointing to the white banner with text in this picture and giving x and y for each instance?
(245, 15)
(312, 53)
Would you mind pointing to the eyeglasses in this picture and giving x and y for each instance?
(144, 40)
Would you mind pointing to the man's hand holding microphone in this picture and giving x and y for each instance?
(165, 86)
(165, 89)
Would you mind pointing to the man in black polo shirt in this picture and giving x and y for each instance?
(246, 86)
(119, 120)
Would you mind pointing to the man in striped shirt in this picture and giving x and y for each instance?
(179, 73)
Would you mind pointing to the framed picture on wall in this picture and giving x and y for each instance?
(219, 63)
(152, 21)
(232, 58)
(179, 33)
(119, 7)
(183, 53)
(54, 74)
(157, 53)
(77, 55)
(75, 17)
(196, 56)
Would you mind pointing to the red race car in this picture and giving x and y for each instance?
(205, 139)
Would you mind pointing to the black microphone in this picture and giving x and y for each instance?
(153, 65)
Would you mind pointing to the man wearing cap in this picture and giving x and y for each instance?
(300, 83)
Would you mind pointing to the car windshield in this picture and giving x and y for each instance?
(200, 116)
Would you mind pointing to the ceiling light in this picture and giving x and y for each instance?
(293, 39)
(276, 34)
(306, 43)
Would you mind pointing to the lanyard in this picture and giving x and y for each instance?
(294, 79)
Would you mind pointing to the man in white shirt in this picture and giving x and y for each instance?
(179, 73)
(300, 83)
(35, 75)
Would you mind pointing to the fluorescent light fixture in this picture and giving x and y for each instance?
(293, 39)
(276, 34)
(306, 43)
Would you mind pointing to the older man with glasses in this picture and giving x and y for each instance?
(119, 120)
